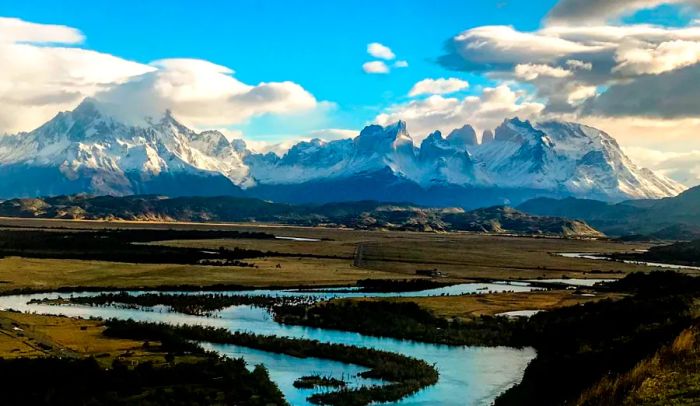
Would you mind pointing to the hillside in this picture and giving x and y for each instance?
(672, 218)
(361, 215)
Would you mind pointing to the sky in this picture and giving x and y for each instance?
(275, 72)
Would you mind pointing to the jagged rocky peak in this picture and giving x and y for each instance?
(434, 138)
(92, 150)
(521, 132)
(433, 146)
(463, 137)
(87, 110)
(375, 138)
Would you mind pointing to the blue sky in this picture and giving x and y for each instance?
(298, 66)
(318, 44)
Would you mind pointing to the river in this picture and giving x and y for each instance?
(468, 375)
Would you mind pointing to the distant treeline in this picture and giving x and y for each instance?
(405, 375)
(127, 246)
(681, 253)
(195, 304)
(393, 285)
(403, 320)
(66, 381)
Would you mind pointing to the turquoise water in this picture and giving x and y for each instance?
(468, 375)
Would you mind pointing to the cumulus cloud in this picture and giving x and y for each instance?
(655, 59)
(45, 77)
(569, 64)
(438, 86)
(637, 81)
(447, 113)
(203, 94)
(40, 78)
(502, 47)
(375, 67)
(532, 71)
(669, 95)
(587, 11)
(380, 51)
(579, 65)
(16, 30)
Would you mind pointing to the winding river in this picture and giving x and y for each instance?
(468, 375)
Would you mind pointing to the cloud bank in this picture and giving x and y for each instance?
(46, 76)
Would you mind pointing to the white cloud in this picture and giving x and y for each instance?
(655, 59)
(375, 67)
(532, 71)
(438, 86)
(579, 65)
(401, 64)
(447, 113)
(493, 47)
(45, 78)
(203, 94)
(38, 80)
(330, 134)
(15, 30)
(578, 93)
(568, 64)
(587, 11)
(380, 51)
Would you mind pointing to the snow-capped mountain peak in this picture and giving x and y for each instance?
(463, 137)
(89, 150)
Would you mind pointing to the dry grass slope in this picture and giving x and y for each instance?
(670, 377)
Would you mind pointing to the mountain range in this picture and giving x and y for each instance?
(87, 150)
(672, 218)
(359, 215)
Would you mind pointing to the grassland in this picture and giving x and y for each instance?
(669, 377)
(461, 255)
(359, 255)
(31, 335)
(46, 274)
(469, 307)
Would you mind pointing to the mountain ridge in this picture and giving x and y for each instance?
(359, 215)
(671, 218)
(88, 150)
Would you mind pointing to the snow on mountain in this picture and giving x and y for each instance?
(558, 157)
(86, 150)
(86, 143)
(462, 137)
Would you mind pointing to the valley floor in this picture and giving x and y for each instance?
(318, 257)
(341, 257)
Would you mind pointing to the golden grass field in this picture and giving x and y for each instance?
(31, 335)
(360, 255)
(471, 306)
